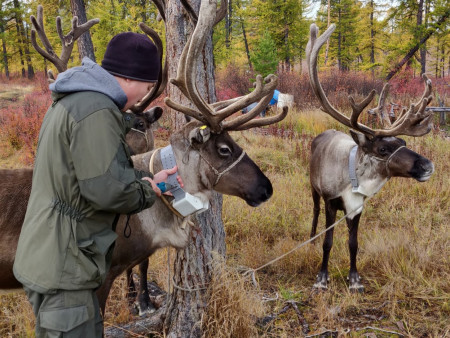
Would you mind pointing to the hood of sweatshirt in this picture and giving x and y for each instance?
(89, 77)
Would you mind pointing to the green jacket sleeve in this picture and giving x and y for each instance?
(104, 169)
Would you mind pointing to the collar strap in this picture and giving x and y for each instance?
(352, 169)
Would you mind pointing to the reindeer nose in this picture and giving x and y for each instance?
(268, 192)
(428, 167)
(265, 191)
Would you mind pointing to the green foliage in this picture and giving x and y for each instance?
(264, 57)
(346, 37)
(371, 35)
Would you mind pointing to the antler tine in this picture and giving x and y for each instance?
(221, 12)
(186, 74)
(255, 111)
(264, 121)
(161, 5)
(69, 39)
(312, 52)
(358, 108)
(380, 108)
(416, 121)
(214, 114)
(48, 53)
(163, 74)
(66, 41)
(190, 11)
(260, 92)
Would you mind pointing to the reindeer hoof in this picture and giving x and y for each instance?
(356, 288)
(321, 283)
(355, 284)
(319, 286)
(144, 309)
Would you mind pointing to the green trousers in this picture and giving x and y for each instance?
(66, 314)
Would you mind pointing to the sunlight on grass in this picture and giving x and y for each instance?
(403, 258)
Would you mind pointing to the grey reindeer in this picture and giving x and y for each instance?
(345, 170)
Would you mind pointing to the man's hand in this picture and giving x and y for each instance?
(162, 177)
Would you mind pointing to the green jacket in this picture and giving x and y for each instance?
(83, 177)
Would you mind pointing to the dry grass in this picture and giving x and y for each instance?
(404, 255)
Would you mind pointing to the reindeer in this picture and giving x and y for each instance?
(208, 160)
(345, 170)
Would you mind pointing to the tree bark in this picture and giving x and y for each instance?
(192, 267)
(413, 50)
(84, 42)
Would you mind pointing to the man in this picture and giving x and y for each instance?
(83, 179)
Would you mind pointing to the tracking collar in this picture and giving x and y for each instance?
(185, 203)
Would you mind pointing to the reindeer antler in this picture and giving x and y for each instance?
(67, 41)
(215, 114)
(414, 122)
(163, 74)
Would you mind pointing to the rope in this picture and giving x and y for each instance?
(252, 271)
(145, 136)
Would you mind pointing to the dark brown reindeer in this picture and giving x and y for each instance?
(345, 170)
(208, 159)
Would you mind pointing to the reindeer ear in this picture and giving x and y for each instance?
(199, 135)
(361, 139)
(152, 115)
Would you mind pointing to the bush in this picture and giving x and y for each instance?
(232, 81)
(21, 121)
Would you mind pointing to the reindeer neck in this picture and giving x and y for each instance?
(371, 173)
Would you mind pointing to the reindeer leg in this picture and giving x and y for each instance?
(353, 276)
(322, 277)
(144, 304)
(132, 293)
(316, 200)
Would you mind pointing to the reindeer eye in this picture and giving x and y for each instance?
(224, 150)
(382, 151)
(141, 124)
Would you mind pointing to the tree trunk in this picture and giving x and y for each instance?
(328, 25)
(339, 56)
(85, 46)
(192, 267)
(413, 50)
(30, 70)
(4, 51)
(423, 47)
(247, 50)
(372, 38)
(228, 25)
(5, 59)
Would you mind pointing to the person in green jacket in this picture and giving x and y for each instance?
(83, 179)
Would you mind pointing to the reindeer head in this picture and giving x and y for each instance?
(381, 145)
(222, 164)
(140, 138)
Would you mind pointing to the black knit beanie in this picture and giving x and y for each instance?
(132, 56)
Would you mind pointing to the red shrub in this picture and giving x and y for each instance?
(232, 81)
(21, 122)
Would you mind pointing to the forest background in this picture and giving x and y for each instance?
(403, 259)
(260, 36)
